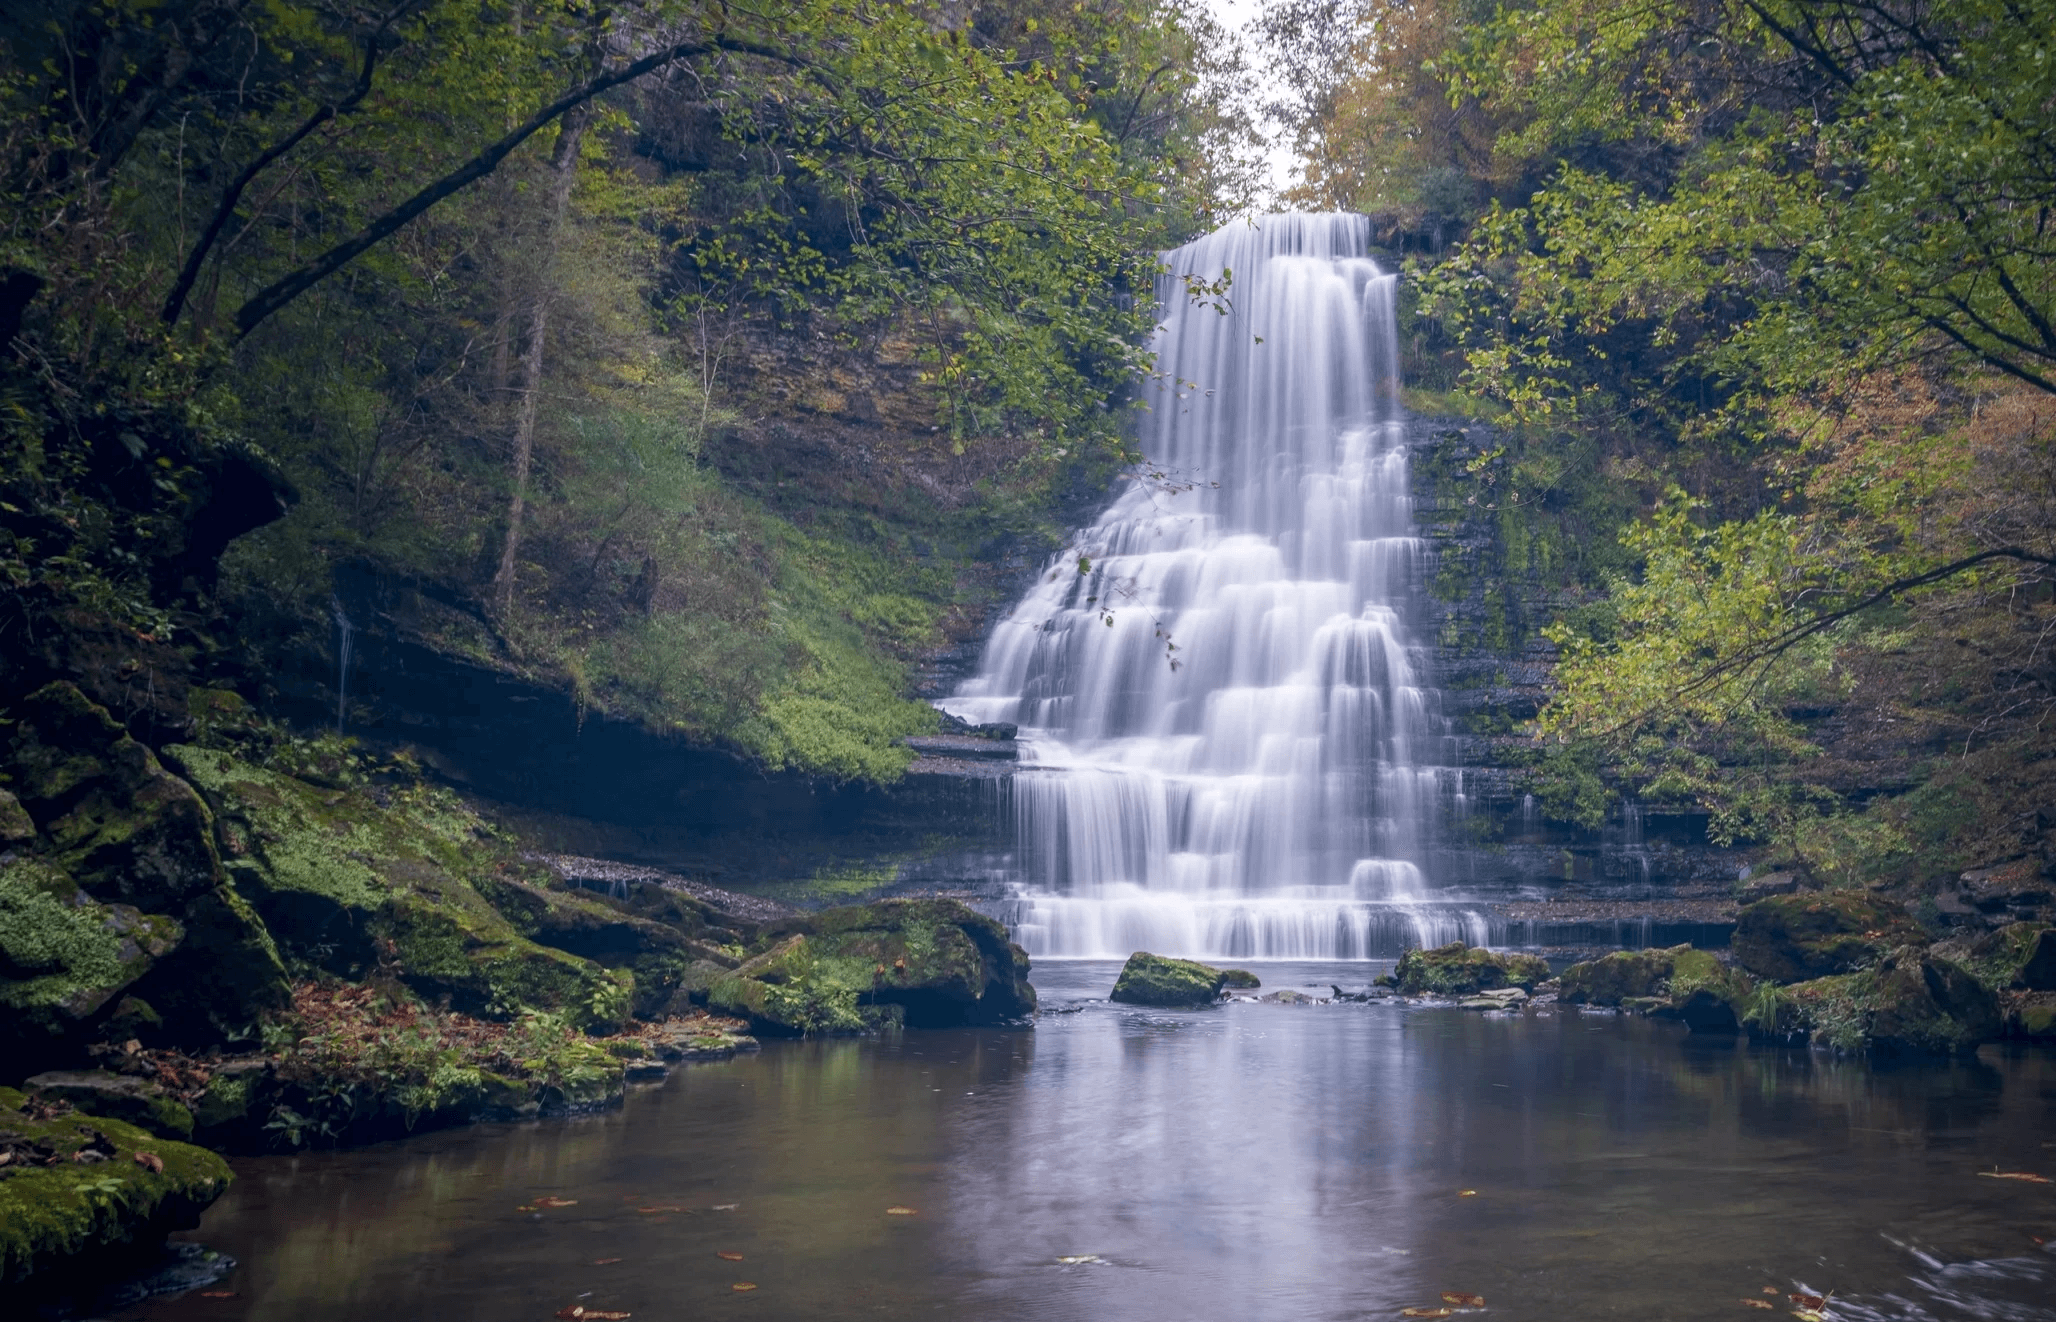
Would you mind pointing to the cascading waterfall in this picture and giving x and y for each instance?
(1228, 750)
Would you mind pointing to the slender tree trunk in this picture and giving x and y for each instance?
(528, 387)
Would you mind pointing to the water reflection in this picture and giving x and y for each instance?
(1253, 1161)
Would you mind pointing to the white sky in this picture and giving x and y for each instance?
(1236, 15)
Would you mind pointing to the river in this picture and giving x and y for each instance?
(1248, 1161)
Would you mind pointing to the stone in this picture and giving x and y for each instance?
(1711, 997)
(117, 1096)
(1767, 885)
(16, 827)
(358, 886)
(1612, 978)
(927, 963)
(1796, 938)
(2017, 957)
(1460, 970)
(1911, 1002)
(1239, 979)
(2018, 890)
(1287, 996)
(58, 1212)
(1158, 980)
(64, 956)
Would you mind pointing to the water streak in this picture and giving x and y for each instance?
(1231, 749)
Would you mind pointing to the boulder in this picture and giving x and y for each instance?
(2017, 957)
(1239, 979)
(1910, 1002)
(1769, 884)
(139, 1102)
(138, 842)
(1796, 938)
(1613, 978)
(64, 956)
(356, 884)
(1148, 979)
(1460, 970)
(76, 1188)
(927, 963)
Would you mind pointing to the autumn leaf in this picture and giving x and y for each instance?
(1809, 1315)
(901, 1211)
(1466, 1193)
(1808, 1300)
(1462, 1300)
(1996, 1174)
(728, 1256)
(151, 1162)
(556, 1202)
(646, 1211)
(741, 1287)
(217, 1294)
(1756, 1303)
(1427, 1312)
(722, 1207)
(605, 1262)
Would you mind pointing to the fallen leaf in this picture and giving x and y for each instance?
(726, 1256)
(1996, 1174)
(1809, 1315)
(741, 1286)
(596, 1315)
(1756, 1303)
(217, 1294)
(1808, 1300)
(556, 1202)
(1462, 1300)
(1427, 1312)
(605, 1262)
(722, 1207)
(901, 1211)
(1770, 1289)
(1466, 1193)
(525, 1208)
(150, 1161)
(667, 1208)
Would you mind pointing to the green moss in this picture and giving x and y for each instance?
(53, 1212)
(1148, 979)
(1793, 938)
(136, 1101)
(1460, 970)
(1612, 978)
(63, 955)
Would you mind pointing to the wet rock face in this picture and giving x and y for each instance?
(1148, 979)
(1460, 970)
(1911, 1002)
(1617, 977)
(1793, 938)
(1678, 983)
(925, 963)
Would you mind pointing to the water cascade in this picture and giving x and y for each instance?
(1229, 749)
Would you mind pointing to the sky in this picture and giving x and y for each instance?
(1236, 15)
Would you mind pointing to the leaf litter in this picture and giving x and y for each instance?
(1463, 1300)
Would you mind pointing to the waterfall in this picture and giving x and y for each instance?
(1229, 748)
(346, 632)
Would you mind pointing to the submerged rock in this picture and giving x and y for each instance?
(1794, 938)
(77, 1190)
(928, 963)
(1460, 970)
(1159, 980)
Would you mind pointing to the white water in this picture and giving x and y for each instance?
(1272, 795)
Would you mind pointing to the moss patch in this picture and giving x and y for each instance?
(1460, 970)
(1795, 938)
(1148, 979)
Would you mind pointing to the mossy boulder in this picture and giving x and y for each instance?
(138, 1102)
(1796, 938)
(1460, 970)
(64, 956)
(659, 954)
(128, 848)
(1239, 980)
(1710, 996)
(1148, 979)
(922, 962)
(73, 1191)
(353, 881)
(1909, 1002)
(2018, 957)
(1613, 978)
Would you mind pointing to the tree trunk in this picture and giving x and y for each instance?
(528, 388)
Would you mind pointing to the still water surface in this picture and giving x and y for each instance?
(1245, 1162)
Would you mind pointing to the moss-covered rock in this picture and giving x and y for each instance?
(1910, 1002)
(1239, 979)
(77, 1186)
(659, 954)
(138, 1102)
(1613, 978)
(353, 882)
(16, 827)
(64, 956)
(922, 962)
(126, 832)
(1460, 970)
(1675, 983)
(1148, 979)
(1796, 938)
(2018, 957)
